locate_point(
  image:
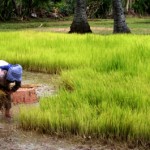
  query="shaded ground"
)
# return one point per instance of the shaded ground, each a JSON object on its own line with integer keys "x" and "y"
{"x": 13, "y": 138}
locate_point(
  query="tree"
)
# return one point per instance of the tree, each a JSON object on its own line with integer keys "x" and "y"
{"x": 5, "y": 9}
{"x": 15, "y": 6}
{"x": 141, "y": 7}
{"x": 80, "y": 23}
{"x": 120, "y": 25}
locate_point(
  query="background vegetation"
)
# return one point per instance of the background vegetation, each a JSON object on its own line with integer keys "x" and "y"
{"x": 25, "y": 9}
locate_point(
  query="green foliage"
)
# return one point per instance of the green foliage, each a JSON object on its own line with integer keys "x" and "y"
{"x": 105, "y": 82}
{"x": 6, "y": 10}
{"x": 142, "y": 6}
{"x": 26, "y": 7}
{"x": 55, "y": 1}
{"x": 66, "y": 7}
{"x": 30, "y": 5}
{"x": 104, "y": 9}
{"x": 100, "y": 8}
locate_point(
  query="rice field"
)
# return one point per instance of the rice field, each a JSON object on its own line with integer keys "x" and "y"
{"x": 104, "y": 88}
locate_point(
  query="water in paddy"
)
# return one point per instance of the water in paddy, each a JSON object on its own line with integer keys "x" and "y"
{"x": 46, "y": 83}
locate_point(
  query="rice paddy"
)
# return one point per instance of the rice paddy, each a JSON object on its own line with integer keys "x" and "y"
{"x": 104, "y": 87}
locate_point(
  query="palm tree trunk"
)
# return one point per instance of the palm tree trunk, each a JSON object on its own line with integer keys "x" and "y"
{"x": 80, "y": 23}
{"x": 30, "y": 7}
{"x": 120, "y": 25}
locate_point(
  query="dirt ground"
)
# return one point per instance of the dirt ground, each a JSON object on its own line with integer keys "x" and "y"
{"x": 66, "y": 30}
{"x": 13, "y": 138}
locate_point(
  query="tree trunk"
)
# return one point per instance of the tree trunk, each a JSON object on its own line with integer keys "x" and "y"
{"x": 120, "y": 25}
{"x": 127, "y": 6}
{"x": 80, "y": 23}
{"x": 5, "y": 14}
{"x": 30, "y": 8}
{"x": 15, "y": 6}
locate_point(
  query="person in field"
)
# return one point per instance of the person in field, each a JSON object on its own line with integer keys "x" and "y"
{"x": 9, "y": 73}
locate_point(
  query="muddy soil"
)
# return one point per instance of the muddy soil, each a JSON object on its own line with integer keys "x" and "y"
{"x": 13, "y": 138}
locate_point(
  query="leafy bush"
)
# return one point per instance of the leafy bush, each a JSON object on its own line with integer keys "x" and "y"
{"x": 142, "y": 6}
{"x": 99, "y": 8}
{"x": 6, "y": 10}
{"x": 66, "y": 7}
{"x": 104, "y": 9}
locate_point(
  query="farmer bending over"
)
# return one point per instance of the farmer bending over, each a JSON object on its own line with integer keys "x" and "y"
{"x": 8, "y": 74}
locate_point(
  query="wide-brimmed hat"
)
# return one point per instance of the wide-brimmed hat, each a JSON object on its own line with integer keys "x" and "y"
{"x": 14, "y": 73}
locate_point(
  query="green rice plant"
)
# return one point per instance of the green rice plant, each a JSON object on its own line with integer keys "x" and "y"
{"x": 105, "y": 82}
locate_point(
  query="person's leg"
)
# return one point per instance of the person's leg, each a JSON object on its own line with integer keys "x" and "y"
{"x": 2, "y": 100}
{"x": 1, "y": 104}
{"x": 8, "y": 106}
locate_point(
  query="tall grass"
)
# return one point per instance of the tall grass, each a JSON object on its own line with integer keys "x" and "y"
{"x": 105, "y": 86}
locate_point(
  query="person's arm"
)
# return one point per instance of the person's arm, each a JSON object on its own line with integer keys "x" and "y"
{"x": 5, "y": 67}
{"x": 16, "y": 86}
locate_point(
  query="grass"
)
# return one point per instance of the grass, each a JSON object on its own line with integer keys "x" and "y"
{"x": 105, "y": 82}
{"x": 99, "y": 26}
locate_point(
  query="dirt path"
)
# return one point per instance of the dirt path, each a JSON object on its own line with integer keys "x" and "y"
{"x": 66, "y": 29}
{"x": 12, "y": 138}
